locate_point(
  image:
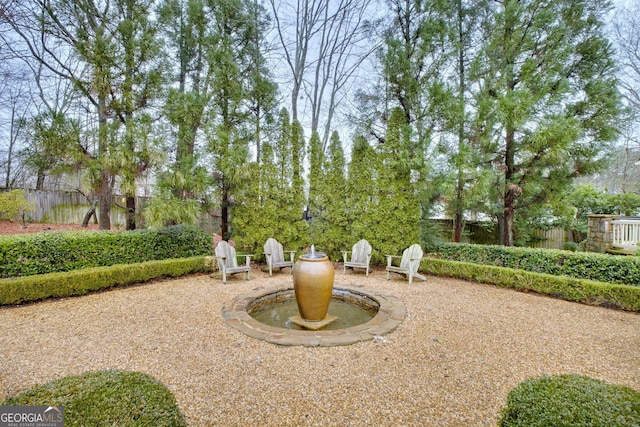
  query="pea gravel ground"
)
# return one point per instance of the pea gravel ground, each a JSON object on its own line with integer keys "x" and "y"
{"x": 462, "y": 347}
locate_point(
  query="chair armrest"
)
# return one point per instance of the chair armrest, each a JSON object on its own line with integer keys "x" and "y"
{"x": 224, "y": 262}
{"x": 247, "y": 258}
{"x": 344, "y": 255}
{"x": 291, "y": 254}
{"x": 390, "y": 257}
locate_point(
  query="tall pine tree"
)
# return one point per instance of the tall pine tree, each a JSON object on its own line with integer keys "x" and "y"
{"x": 546, "y": 101}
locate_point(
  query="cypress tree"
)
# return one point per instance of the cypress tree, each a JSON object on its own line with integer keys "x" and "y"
{"x": 397, "y": 211}
{"x": 360, "y": 195}
{"x": 336, "y": 236}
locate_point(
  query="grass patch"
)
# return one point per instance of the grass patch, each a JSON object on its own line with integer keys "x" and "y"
{"x": 107, "y": 398}
{"x": 571, "y": 401}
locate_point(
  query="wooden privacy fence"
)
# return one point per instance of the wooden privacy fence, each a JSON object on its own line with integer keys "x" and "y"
{"x": 487, "y": 234}
{"x": 553, "y": 238}
{"x": 70, "y": 207}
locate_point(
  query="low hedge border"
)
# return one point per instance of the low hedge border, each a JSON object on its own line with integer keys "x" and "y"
{"x": 79, "y": 282}
{"x": 42, "y": 253}
{"x": 624, "y": 270}
{"x": 589, "y": 292}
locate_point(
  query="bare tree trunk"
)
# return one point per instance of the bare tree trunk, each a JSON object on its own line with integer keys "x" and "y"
{"x": 105, "y": 175}
{"x": 458, "y": 225}
{"x": 91, "y": 212}
{"x": 131, "y": 213}
{"x": 512, "y": 191}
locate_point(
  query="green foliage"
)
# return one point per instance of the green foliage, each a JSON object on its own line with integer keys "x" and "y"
{"x": 335, "y": 237}
{"x": 571, "y": 289}
{"x": 570, "y": 401}
{"x": 271, "y": 203}
{"x": 162, "y": 211}
{"x": 570, "y": 246}
{"x": 56, "y": 252}
{"x": 550, "y": 117}
{"x": 106, "y": 398}
{"x": 395, "y": 212}
{"x": 582, "y": 265}
{"x": 79, "y": 282}
{"x": 361, "y": 186}
{"x": 54, "y": 144}
{"x": 180, "y": 196}
{"x": 13, "y": 205}
{"x": 627, "y": 203}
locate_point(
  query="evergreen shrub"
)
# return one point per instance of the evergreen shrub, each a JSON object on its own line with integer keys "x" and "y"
{"x": 567, "y": 288}
{"x": 106, "y": 398}
{"x": 13, "y": 205}
{"x": 43, "y": 253}
{"x": 581, "y": 265}
{"x": 79, "y": 282}
{"x": 570, "y": 400}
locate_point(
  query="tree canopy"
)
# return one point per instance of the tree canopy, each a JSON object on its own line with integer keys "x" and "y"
{"x": 468, "y": 108}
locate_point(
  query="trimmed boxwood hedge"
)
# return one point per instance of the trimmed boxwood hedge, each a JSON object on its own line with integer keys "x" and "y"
{"x": 43, "y": 253}
{"x": 33, "y": 288}
{"x": 570, "y": 401}
{"x": 581, "y": 265}
{"x": 571, "y": 289}
{"x": 107, "y": 398}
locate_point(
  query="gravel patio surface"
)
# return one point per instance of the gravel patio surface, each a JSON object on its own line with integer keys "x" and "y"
{"x": 462, "y": 347}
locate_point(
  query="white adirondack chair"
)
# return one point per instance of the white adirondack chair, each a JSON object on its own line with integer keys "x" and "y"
{"x": 360, "y": 257}
{"x": 409, "y": 263}
{"x": 227, "y": 261}
{"x": 275, "y": 255}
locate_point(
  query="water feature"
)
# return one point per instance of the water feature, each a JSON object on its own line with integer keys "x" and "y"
{"x": 389, "y": 315}
{"x": 314, "y": 312}
{"x": 348, "y": 309}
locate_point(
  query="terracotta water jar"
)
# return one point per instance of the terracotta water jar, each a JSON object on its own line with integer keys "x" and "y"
{"x": 313, "y": 285}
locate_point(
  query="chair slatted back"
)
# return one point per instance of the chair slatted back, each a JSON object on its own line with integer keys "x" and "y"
{"x": 361, "y": 252}
{"x": 224, "y": 249}
{"x": 412, "y": 252}
{"x": 273, "y": 247}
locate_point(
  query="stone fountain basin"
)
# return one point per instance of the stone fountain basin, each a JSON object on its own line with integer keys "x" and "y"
{"x": 390, "y": 313}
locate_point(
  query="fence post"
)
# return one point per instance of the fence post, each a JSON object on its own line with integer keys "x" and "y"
{"x": 600, "y": 232}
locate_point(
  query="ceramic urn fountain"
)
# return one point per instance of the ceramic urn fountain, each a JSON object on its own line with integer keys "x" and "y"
{"x": 313, "y": 275}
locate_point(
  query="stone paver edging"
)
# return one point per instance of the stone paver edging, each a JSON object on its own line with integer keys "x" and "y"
{"x": 390, "y": 314}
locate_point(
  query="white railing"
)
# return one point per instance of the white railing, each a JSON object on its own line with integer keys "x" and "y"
{"x": 626, "y": 233}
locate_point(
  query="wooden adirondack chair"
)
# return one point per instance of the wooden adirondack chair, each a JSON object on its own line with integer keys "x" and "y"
{"x": 275, "y": 255}
{"x": 409, "y": 263}
{"x": 360, "y": 257}
{"x": 227, "y": 261}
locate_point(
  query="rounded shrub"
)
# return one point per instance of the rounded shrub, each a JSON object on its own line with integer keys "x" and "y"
{"x": 570, "y": 246}
{"x": 570, "y": 400}
{"x": 107, "y": 398}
